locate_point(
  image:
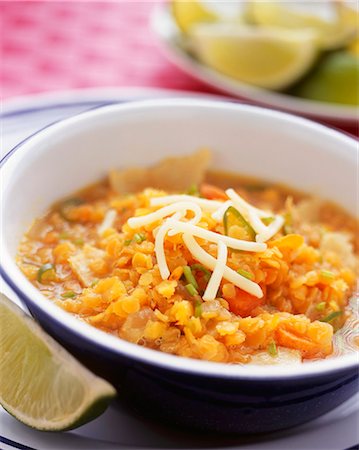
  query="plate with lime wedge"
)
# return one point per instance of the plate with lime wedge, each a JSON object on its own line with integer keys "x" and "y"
{"x": 301, "y": 57}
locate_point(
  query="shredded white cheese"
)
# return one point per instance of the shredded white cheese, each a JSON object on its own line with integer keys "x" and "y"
{"x": 271, "y": 229}
{"x": 244, "y": 206}
{"x": 160, "y": 249}
{"x": 211, "y": 236}
{"x": 174, "y": 208}
{"x": 256, "y": 223}
{"x": 217, "y": 275}
{"x": 254, "y": 216}
{"x": 108, "y": 221}
{"x": 209, "y": 205}
{"x": 209, "y": 261}
{"x": 136, "y": 222}
{"x": 218, "y": 215}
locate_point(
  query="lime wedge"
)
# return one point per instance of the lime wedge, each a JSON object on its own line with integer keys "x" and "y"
{"x": 267, "y": 57}
{"x": 335, "y": 79}
{"x": 42, "y": 385}
{"x": 188, "y": 13}
{"x": 333, "y": 32}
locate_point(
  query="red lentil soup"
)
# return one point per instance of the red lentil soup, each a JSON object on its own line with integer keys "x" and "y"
{"x": 269, "y": 282}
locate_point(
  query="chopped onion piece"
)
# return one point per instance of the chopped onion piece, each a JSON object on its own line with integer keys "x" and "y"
{"x": 217, "y": 275}
{"x": 81, "y": 262}
{"x": 108, "y": 221}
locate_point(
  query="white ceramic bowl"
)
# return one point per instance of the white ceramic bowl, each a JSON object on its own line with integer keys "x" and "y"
{"x": 78, "y": 151}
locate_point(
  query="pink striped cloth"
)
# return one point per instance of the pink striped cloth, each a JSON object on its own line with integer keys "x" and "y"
{"x": 64, "y": 45}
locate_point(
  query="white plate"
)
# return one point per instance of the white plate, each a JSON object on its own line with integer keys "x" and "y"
{"x": 169, "y": 37}
{"x": 118, "y": 428}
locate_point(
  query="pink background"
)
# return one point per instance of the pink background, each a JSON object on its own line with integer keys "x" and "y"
{"x": 49, "y": 46}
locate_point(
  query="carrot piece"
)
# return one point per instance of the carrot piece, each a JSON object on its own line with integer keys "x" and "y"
{"x": 290, "y": 241}
{"x": 212, "y": 192}
{"x": 177, "y": 273}
{"x": 291, "y": 340}
{"x": 309, "y": 348}
{"x": 243, "y": 303}
{"x": 51, "y": 237}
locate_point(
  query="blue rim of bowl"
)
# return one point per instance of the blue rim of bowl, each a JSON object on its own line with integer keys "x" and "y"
{"x": 90, "y": 103}
{"x": 164, "y": 365}
{"x": 14, "y": 444}
{"x": 93, "y": 105}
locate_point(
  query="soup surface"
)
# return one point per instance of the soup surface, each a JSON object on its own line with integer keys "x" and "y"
{"x": 254, "y": 274}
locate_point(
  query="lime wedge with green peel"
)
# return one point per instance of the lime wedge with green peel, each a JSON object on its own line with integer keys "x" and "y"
{"x": 189, "y": 13}
{"x": 335, "y": 79}
{"x": 333, "y": 30}
{"x": 272, "y": 58}
{"x": 41, "y": 384}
